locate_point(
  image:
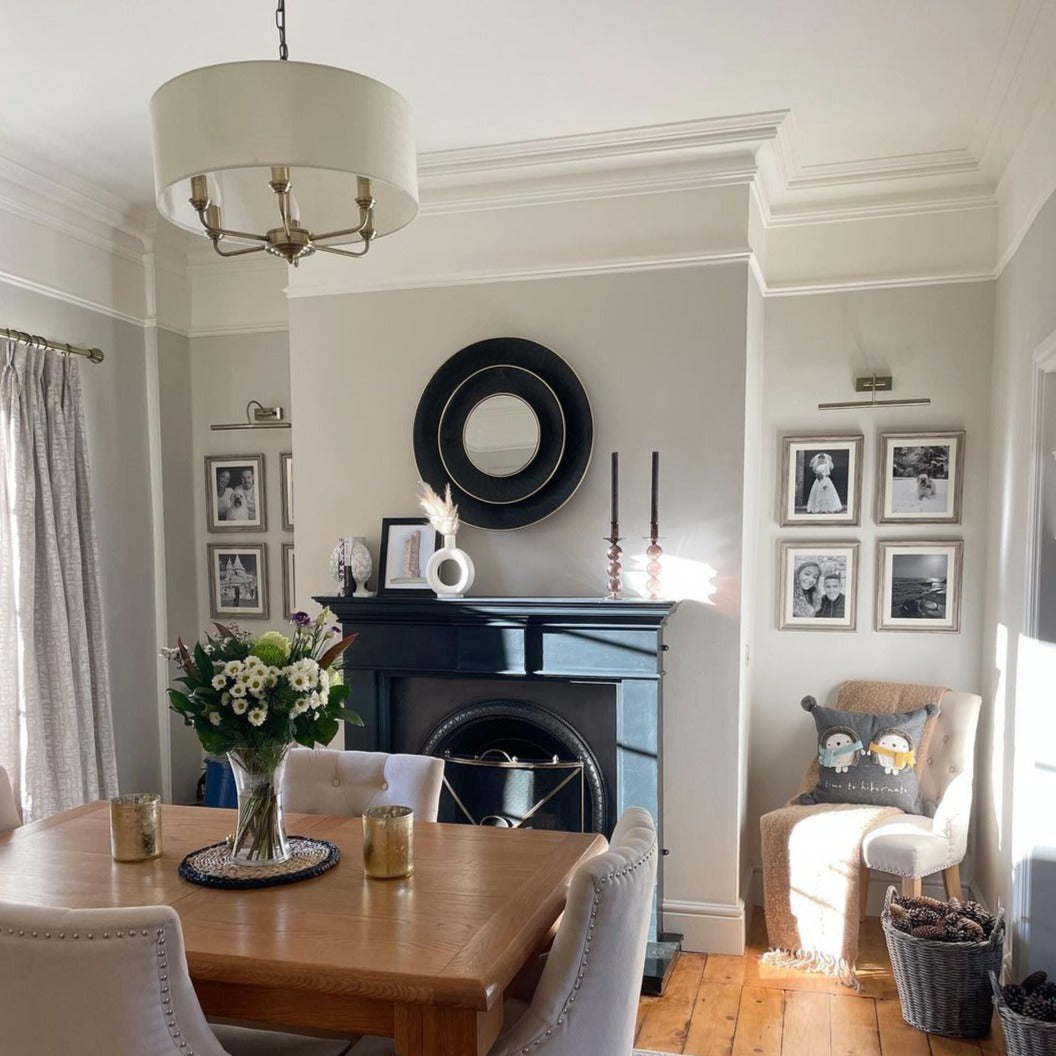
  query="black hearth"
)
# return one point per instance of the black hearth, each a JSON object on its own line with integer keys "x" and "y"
{"x": 573, "y": 683}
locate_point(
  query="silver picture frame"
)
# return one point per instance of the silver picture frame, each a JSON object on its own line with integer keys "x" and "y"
{"x": 235, "y": 502}
{"x": 920, "y": 477}
{"x": 830, "y": 601}
{"x": 918, "y": 585}
{"x": 816, "y": 472}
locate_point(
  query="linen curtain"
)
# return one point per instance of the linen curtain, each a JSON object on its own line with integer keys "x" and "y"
{"x": 56, "y": 729}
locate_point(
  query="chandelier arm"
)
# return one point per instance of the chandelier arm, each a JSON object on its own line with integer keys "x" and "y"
{"x": 221, "y": 232}
{"x": 343, "y": 252}
{"x": 235, "y": 252}
{"x": 364, "y": 223}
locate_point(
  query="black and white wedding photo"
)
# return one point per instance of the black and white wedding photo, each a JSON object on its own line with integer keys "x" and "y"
{"x": 235, "y": 493}
{"x": 821, "y": 479}
{"x": 819, "y": 586}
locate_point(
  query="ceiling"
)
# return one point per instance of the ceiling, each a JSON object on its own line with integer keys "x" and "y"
{"x": 865, "y": 81}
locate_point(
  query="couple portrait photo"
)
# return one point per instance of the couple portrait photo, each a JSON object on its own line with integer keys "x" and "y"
{"x": 818, "y": 586}
{"x": 235, "y": 493}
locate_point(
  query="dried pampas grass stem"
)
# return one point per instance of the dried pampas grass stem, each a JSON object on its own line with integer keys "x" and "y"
{"x": 442, "y": 512}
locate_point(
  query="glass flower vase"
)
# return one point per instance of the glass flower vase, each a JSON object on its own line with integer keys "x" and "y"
{"x": 260, "y": 833}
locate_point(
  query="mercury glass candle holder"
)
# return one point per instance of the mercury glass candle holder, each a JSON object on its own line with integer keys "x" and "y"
{"x": 135, "y": 827}
{"x": 388, "y": 842}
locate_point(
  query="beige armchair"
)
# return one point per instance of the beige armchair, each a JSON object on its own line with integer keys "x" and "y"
{"x": 10, "y": 816}
{"x": 325, "y": 781}
{"x": 586, "y": 1000}
{"x": 113, "y": 981}
{"x": 914, "y": 846}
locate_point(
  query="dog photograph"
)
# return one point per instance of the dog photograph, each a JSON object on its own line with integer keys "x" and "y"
{"x": 235, "y": 493}
{"x": 920, "y": 478}
{"x": 822, "y": 478}
{"x": 818, "y": 586}
{"x": 918, "y": 586}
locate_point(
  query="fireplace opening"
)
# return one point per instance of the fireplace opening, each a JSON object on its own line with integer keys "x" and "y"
{"x": 511, "y": 763}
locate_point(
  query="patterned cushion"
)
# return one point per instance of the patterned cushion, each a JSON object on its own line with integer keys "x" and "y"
{"x": 867, "y": 759}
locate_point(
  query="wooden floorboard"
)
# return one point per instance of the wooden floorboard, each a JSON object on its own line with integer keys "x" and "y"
{"x": 735, "y": 1006}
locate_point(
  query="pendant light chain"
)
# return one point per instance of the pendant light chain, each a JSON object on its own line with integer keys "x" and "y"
{"x": 280, "y": 25}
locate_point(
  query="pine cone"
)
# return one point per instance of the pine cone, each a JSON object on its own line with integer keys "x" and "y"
{"x": 1038, "y": 1008}
{"x": 967, "y": 927}
{"x": 935, "y": 932}
{"x": 1014, "y": 996}
{"x": 1034, "y": 980}
{"x": 902, "y": 924}
{"x": 955, "y": 905}
{"x": 1048, "y": 990}
{"x": 897, "y": 911}
{"x": 922, "y": 915}
{"x": 931, "y": 903}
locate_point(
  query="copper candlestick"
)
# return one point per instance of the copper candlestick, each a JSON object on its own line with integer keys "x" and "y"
{"x": 653, "y": 553}
{"x": 614, "y": 553}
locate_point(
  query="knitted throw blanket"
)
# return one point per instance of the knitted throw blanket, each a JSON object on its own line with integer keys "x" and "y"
{"x": 812, "y": 854}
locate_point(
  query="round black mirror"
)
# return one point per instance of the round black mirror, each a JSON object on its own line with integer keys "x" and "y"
{"x": 508, "y": 424}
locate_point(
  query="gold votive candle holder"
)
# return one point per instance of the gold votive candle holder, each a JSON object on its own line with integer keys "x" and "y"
{"x": 388, "y": 842}
{"x": 135, "y": 827}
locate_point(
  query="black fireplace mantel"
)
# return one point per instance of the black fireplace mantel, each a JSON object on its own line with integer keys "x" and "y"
{"x": 526, "y": 643}
{"x": 527, "y": 637}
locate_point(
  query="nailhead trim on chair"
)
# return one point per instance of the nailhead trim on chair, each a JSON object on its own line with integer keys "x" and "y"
{"x": 163, "y": 974}
{"x": 599, "y": 886}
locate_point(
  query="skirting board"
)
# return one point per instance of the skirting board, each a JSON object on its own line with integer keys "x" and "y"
{"x": 707, "y": 927}
{"x": 878, "y": 885}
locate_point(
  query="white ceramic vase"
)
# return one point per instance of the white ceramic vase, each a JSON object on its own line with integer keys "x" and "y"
{"x": 362, "y": 566}
{"x": 462, "y": 560}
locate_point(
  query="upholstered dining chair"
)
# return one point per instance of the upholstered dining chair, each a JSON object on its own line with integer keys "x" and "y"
{"x": 586, "y": 1000}
{"x": 913, "y": 846}
{"x": 10, "y": 816}
{"x": 113, "y": 981}
{"x": 325, "y": 781}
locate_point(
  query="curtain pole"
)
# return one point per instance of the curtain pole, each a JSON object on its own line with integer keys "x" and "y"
{"x": 20, "y": 336}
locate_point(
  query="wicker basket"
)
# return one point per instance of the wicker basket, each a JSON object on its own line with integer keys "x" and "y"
{"x": 1023, "y": 1036}
{"x": 944, "y": 987}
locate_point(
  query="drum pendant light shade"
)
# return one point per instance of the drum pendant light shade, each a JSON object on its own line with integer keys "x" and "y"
{"x": 234, "y": 122}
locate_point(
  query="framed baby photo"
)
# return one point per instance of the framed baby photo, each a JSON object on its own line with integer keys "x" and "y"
{"x": 407, "y": 543}
{"x": 821, "y": 479}
{"x": 919, "y": 586}
{"x": 286, "y": 479}
{"x": 238, "y": 580}
{"x": 289, "y": 583}
{"x": 919, "y": 478}
{"x": 234, "y": 493}
{"x": 818, "y": 587}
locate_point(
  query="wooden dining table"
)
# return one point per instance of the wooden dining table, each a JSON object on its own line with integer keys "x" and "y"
{"x": 424, "y": 960}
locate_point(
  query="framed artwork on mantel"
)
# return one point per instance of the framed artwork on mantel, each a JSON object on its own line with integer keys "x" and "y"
{"x": 821, "y": 480}
{"x": 407, "y": 543}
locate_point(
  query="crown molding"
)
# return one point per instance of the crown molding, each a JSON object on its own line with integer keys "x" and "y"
{"x": 65, "y": 297}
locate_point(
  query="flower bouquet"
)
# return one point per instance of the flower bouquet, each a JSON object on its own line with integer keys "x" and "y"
{"x": 251, "y": 698}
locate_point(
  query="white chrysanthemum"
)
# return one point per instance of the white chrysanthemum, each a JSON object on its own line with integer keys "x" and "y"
{"x": 324, "y": 683}
{"x": 298, "y": 709}
{"x": 240, "y": 705}
{"x": 219, "y": 682}
{"x": 214, "y": 718}
{"x": 233, "y": 668}
{"x": 298, "y": 681}
{"x": 208, "y": 649}
{"x": 272, "y": 678}
{"x": 225, "y": 698}
{"x": 238, "y": 690}
{"x": 258, "y": 714}
{"x": 257, "y": 685}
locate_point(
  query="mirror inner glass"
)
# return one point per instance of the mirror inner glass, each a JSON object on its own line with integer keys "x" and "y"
{"x": 501, "y": 435}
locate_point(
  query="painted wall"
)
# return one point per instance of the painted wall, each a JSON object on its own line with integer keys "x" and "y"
{"x": 935, "y": 341}
{"x": 1017, "y": 860}
{"x": 180, "y": 483}
{"x": 662, "y": 357}
{"x": 226, "y": 373}
{"x": 116, "y": 416}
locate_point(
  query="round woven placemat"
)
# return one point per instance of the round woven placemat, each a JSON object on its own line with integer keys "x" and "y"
{"x": 212, "y": 866}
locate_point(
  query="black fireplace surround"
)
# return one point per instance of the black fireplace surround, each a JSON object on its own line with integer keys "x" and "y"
{"x": 543, "y": 679}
